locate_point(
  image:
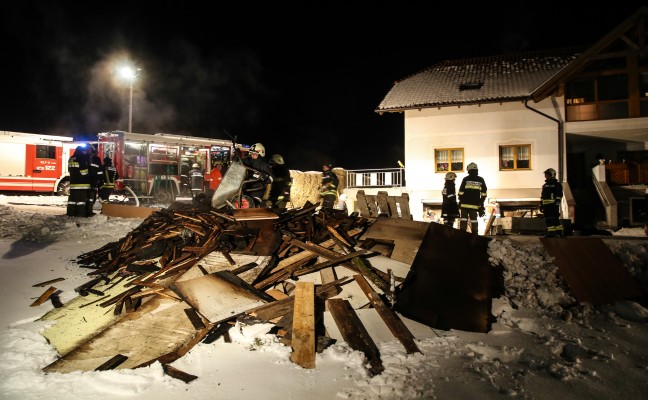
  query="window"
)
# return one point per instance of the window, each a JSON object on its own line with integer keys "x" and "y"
{"x": 515, "y": 157}
{"x": 44, "y": 151}
{"x": 446, "y": 160}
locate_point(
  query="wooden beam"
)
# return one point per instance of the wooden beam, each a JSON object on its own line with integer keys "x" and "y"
{"x": 389, "y": 316}
{"x": 354, "y": 333}
{"x": 303, "y": 329}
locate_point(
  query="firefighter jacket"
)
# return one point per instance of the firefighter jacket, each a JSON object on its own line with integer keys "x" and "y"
{"x": 330, "y": 183}
{"x": 449, "y": 207}
{"x": 110, "y": 175}
{"x": 552, "y": 192}
{"x": 197, "y": 180}
{"x": 96, "y": 171}
{"x": 473, "y": 191}
{"x": 263, "y": 173}
{"x": 79, "y": 169}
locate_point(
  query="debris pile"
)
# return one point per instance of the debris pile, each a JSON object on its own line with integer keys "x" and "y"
{"x": 208, "y": 268}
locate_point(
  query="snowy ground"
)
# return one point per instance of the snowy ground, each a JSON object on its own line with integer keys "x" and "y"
{"x": 538, "y": 349}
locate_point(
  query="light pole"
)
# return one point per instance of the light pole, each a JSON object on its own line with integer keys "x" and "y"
{"x": 130, "y": 73}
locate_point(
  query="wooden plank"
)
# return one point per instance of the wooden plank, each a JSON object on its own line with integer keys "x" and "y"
{"x": 354, "y": 333}
{"x": 195, "y": 319}
{"x": 178, "y": 374}
{"x": 489, "y": 224}
{"x": 303, "y": 328}
{"x": 391, "y": 319}
{"x": 112, "y": 363}
{"x": 381, "y": 199}
{"x": 42, "y": 284}
{"x": 216, "y": 298}
{"x": 371, "y": 203}
{"x": 44, "y": 297}
{"x": 403, "y": 203}
{"x": 407, "y": 236}
{"x": 593, "y": 273}
{"x": 393, "y": 208}
{"x": 158, "y": 331}
{"x": 362, "y": 204}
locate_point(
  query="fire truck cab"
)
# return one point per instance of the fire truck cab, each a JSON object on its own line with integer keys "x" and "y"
{"x": 34, "y": 163}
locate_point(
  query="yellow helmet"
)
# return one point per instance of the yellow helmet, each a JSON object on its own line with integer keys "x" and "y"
{"x": 258, "y": 148}
{"x": 450, "y": 176}
{"x": 471, "y": 166}
{"x": 277, "y": 159}
{"x": 551, "y": 172}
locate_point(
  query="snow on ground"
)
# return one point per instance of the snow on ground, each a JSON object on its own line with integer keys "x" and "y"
{"x": 543, "y": 345}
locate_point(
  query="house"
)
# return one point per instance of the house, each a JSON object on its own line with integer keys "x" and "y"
{"x": 516, "y": 115}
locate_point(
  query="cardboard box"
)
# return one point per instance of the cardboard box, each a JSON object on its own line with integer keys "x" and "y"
{"x": 124, "y": 211}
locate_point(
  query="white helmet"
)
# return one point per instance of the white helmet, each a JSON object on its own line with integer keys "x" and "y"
{"x": 471, "y": 166}
{"x": 450, "y": 176}
{"x": 258, "y": 148}
{"x": 195, "y": 166}
{"x": 277, "y": 159}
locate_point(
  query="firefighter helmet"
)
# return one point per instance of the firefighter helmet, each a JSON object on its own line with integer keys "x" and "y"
{"x": 450, "y": 176}
{"x": 258, "y": 148}
{"x": 195, "y": 165}
{"x": 277, "y": 159}
{"x": 551, "y": 172}
{"x": 471, "y": 166}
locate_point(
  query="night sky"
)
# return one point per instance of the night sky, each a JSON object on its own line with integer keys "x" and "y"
{"x": 303, "y": 80}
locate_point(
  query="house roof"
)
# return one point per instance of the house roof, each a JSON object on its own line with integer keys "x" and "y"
{"x": 510, "y": 77}
{"x": 477, "y": 80}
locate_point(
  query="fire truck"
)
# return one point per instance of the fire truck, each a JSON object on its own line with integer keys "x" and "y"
{"x": 31, "y": 162}
{"x": 155, "y": 167}
{"x": 151, "y": 167}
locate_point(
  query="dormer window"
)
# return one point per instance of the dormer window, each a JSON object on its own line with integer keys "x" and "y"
{"x": 471, "y": 86}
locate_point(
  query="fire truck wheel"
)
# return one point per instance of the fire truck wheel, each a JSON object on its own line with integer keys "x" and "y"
{"x": 63, "y": 188}
{"x": 163, "y": 197}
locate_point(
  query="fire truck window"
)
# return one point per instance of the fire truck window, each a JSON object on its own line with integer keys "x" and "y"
{"x": 43, "y": 151}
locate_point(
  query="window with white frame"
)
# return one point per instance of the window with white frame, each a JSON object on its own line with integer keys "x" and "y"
{"x": 515, "y": 157}
{"x": 446, "y": 160}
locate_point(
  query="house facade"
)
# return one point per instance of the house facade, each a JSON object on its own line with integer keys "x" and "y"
{"x": 516, "y": 115}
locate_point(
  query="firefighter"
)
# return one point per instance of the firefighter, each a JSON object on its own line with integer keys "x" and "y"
{"x": 262, "y": 174}
{"x": 449, "y": 207}
{"x": 96, "y": 179}
{"x": 330, "y": 184}
{"x": 197, "y": 180}
{"x": 110, "y": 176}
{"x": 472, "y": 194}
{"x": 280, "y": 190}
{"x": 551, "y": 197}
{"x": 79, "y": 170}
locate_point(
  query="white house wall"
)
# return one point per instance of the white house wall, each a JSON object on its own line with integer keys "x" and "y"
{"x": 479, "y": 130}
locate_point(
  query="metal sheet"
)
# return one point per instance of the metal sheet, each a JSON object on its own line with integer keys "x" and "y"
{"x": 229, "y": 185}
{"x": 591, "y": 270}
{"x": 451, "y": 282}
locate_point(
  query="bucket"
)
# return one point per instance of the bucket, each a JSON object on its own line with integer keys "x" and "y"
{"x": 119, "y": 184}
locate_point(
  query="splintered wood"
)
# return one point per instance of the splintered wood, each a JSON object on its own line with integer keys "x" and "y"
{"x": 162, "y": 265}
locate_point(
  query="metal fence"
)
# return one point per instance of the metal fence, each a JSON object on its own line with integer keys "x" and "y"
{"x": 386, "y": 177}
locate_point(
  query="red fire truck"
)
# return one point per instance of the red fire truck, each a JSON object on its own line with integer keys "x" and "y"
{"x": 31, "y": 162}
{"x": 155, "y": 167}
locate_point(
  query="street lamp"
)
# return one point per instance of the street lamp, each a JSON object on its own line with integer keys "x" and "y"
{"x": 129, "y": 74}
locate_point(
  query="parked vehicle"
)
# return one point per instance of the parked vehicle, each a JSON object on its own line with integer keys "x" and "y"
{"x": 32, "y": 162}
{"x": 151, "y": 166}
